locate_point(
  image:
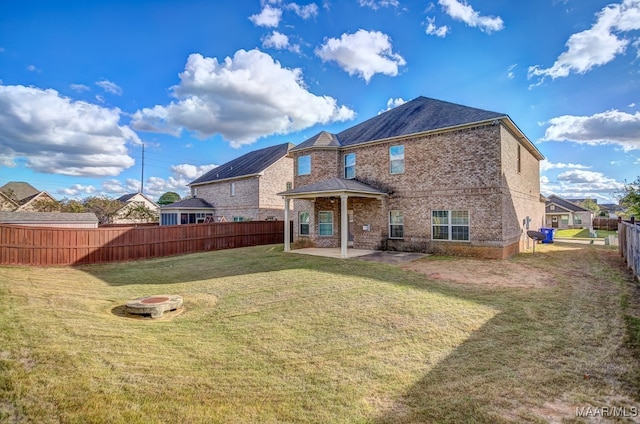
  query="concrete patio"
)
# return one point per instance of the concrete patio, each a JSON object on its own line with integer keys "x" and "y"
{"x": 388, "y": 257}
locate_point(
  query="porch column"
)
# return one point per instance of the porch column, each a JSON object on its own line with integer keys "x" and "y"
{"x": 344, "y": 226}
{"x": 287, "y": 233}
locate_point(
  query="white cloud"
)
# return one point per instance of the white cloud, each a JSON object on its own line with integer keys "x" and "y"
{"x": 546, "y": 165}
{"x": 462, "y": 11}
{"x": 432, "y": 29}
{"x": 60, "y": 136}
{"x": 242, "y": 98}
{"x": 77, "y": 190}
{"x": 191, "y": 171}
{"x": 79, "y": 87}
{"x": 279, "y": 41}
{"x": 364, "y": 53}
{"x": 581, "y": 184}
{"x": 510, "y": 73}
{"x": 597, "y": 45}
{"x": 376, "y": 4}
{"x": 110, "y": 87}
{"x": 393, "y": 103}
{"x": 268, "y": 17}
{"x": 32, "y": 68}
{"x": 306, "y": 11}
{"x": 611, "y": 127}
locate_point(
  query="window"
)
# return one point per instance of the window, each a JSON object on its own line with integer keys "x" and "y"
{"x": 304, "y": 165}
{"x": 450, "y": 225}
{"x": 238, "y": 219}
{"x": 289, "y": 185}
{"x": 564, "y": 220}
{"x": 396, "y": 224}
{"x": 325, "y": 223}
{"x": 396, "y": 159}
{"x": 233, "y": 189}
{"x": 350, "y": 165}
{"x": 577, "y": 220}
{"x": 304, "y": 219}
{"x": 519, "y": 165}
{"x": 169, "y": 219}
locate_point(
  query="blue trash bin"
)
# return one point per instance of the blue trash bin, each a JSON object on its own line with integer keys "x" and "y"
{"x": 548, "y": 234}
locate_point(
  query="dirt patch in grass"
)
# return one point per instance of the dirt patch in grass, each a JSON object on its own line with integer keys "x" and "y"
{"x": 482, "y": 272}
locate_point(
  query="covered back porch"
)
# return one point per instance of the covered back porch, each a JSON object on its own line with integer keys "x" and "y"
{"x": 327, "y": 193}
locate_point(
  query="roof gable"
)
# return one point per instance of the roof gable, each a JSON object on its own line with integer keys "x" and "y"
{"x": 251, "y": 163}
{"x": 20, "y": 191}
{"x": 417, "y": 116}
{"x": 126, "y": 198}
{"x": 565, "y": 204}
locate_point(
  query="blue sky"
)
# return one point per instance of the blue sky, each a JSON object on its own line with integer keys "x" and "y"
{"x": 84, "y": 84}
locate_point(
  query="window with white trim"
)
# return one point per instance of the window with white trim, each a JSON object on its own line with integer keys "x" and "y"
{"x": 325, "y": 223}
{"x": 396, "y": 159}
{"x": 450, "y": 225}
{"x": 233, "y": 189}
{"x": 304, "y": 219}
{"x": 350, "y": 166}
{"x": 396, "y": 224}
{"x": 304, "y": 165}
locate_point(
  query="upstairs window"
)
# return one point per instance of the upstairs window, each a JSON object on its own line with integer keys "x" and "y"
{"x": 350, "y": 166}
{"x": 396, "y": 159}
{"x": 519, "y": 164}
{"x": 304, "y": 165}
{"x": 233, "y": 189}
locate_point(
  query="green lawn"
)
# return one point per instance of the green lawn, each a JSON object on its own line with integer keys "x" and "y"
{"x": 270, "y": 337}
{"x": 582, "y": 233}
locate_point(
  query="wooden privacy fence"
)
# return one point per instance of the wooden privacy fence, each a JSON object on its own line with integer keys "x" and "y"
{"x": 22, "y": 245}
{"x": 629, "y": 242}
{"x": 609, "y": 224}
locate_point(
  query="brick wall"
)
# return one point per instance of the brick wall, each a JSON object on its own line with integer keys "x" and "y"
{"x": 471, "y": 169}
{"x": 275, "y": 181}
{"x": 255, "y": 197}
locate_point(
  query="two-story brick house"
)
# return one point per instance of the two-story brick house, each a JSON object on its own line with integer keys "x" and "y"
{"x": 427, "y": 176}
{"x": 246, "y": 188}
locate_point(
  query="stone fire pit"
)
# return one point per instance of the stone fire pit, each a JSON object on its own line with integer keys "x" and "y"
{"x": 154, "y": 305}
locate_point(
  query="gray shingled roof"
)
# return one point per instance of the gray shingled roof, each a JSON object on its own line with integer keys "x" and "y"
{"x": 26, "y": 217}
{"x": 334, "y": 185}
{"x": 251, "y": 163}
{"x": 22, "y": 192}
{"x": 125, "y": 197}
{"x": 190, "y": 203}
{"x": 419, "y": 115}
{"x": 570, "y": 206}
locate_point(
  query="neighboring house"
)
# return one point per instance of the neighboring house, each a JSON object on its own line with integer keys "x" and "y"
{"x": 561, "y": 214}
{"x": 50, "y": 219}
{"x": 427, "y": 176}
{"x": 247, "y": 187}
{"x": 611, "y": 210}
{"x": 192, "y": 210}
{"x": 21, "y": 196}
{"x": 137, "y": 209}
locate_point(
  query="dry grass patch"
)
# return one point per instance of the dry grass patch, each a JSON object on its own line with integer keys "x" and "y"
{"x": 271, "y": 337}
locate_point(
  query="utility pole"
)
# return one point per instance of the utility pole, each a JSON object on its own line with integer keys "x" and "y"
{"x": 142, "y": 172}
